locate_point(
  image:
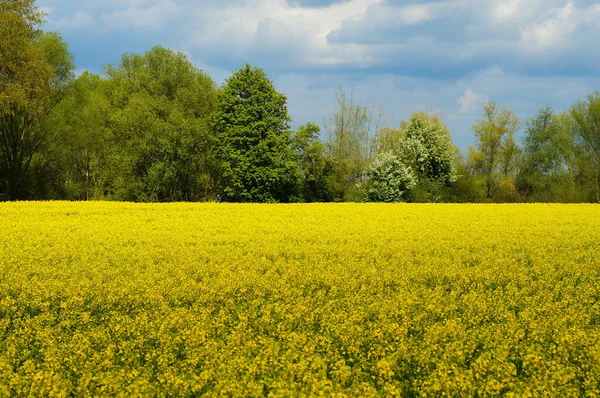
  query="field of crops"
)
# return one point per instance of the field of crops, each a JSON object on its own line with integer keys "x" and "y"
{"x": 279, "y": 300}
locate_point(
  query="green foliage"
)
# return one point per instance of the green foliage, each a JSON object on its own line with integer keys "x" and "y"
{"x": 547, "y": 169}
{"x": 58, "y": 56}
{"x": 314, "y": 171}
{"x": 34, "y": 68}
{"x": 160, "y": 144}
{"x": 389, "y": 178}
{"x": 467, "y": 188}
{"x": 587, "y": 133}
{"x": 24, "y": 70}
{"x": 252, "y": 135}
{"x": 80, "y": 125}
{"x": 495, "y": 156}
{"x": 388, "y": 138}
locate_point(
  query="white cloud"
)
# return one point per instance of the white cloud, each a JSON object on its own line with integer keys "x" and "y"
{"x": 415, "y": 14}
{"x": 352, "y": 33}
{"x": 505, "y": 9}
{"x": 471, "y": 101}
{"x": 553, "y": 31}
{"x": 298, "y": 34}
{"x": 150, "y": 17}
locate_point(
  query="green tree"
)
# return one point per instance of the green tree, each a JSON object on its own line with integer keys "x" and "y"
{"x": 546, "y": 168}
{"x": 254, "y": 136}
{"x": 160, "y": 143}
{"x": 34, "y": 67}
{"x": 389, "y": 138}
{"x": 313, "y": 167}
{"x": 81, "y": 137}
{"x": 466, "y": 188}
{"x": 495, "y": 157}
{"x": 587, "y": 133}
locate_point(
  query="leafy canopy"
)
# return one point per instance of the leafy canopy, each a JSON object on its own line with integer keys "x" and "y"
{"x": 253, "y": 135}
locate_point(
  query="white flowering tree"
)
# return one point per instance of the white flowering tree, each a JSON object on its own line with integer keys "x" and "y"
{"x": 427, "y": 148}
{"x": 418, "y": 166}
{"x": 389, "y": 178}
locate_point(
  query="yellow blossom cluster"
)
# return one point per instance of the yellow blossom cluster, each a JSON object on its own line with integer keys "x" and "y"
{"x": 116, "y": 299}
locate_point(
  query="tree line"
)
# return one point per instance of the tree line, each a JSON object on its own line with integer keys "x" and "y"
{"x": 154, "y": 128}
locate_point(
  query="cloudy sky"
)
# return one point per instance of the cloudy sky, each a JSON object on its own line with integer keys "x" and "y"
{"x": 446, "y": 55}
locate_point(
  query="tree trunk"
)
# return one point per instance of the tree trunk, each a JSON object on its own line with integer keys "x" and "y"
{"x": 597, "y": 186}
{"x": 18, "y": 143}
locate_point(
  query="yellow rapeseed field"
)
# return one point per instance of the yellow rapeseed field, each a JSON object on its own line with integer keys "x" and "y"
{"x": 286, "y": 300}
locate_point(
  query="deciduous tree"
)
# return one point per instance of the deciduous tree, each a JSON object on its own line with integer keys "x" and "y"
{"x": 161, "y": 144}
{"x": 495, "y": 155}
{"x": 313, "y": 167}
{"x": 546, "y": 169}
{"x": 34, "y": 67}
{"x": 587, "y": 133}
{"x": 389, "y": 178}
{"x": 348, "y": 143}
